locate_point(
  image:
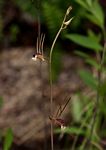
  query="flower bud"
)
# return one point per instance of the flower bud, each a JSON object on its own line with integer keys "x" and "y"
{"x": 66, "y": 23}
{"x": 68, "y": 10}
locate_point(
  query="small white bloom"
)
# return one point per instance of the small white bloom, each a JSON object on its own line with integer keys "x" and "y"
{"x": 34, "y": 58}
{"x": 63, "y": 128}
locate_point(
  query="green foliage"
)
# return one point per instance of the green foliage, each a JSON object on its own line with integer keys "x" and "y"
{"x": 85, "y": 41}
{"x": 76, "y": 108}
{"x": 8, "y": 137}
{"x": 53, "y": 12}
{"x": 53, "y": 17}
{"x": 92, "y": 62}
{"x": 81, "y": 110}
{"x": 84, "y": 113}
{"x": 96, "y": 37}
{"x": 8, "y": 140}
{"x": 56, "y": 63}
{"x": 27, "y": 6}
{"x": 81, "y": 54}
{"x": 83, "y": 105}
{"x": 88, "y": 79}
{"x": 94, "y": 11}
{"x": 88, "y": 59}
{"x": 102, "y": 88}
{"x": 50, "y": 12}
{"x": 72, "y": 130}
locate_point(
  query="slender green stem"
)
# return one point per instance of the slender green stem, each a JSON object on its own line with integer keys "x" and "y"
{"x": 50, "y": 75}
{"x": 82, "y": 125}
{"x": 104, "y": 49}
{"x": 51, "y": 85}
{"x": 99, "y": 84}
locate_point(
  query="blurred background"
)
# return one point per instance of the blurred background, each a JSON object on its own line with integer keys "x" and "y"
{"x": 24, "y": 84}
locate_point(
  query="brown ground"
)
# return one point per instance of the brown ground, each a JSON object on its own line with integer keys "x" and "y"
{"x": 25, "y": 108}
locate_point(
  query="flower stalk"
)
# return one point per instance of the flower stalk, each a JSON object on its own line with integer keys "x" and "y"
{"x": 64, "y": 25}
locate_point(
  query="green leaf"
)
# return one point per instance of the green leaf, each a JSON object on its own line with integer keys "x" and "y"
{"x": 93, "y": 63}
{"x": 72, "y": 130}
{"x": 82, "y": 3}
{"x": 85, "y": 41}
{"x": 98, "y": 12}
{"x": 88, "y": 79}
{"x": 89, "y": 2}
{"x": 88, "y": 59}
{"x": 94, "y": 36}
{"x": 95, "y": 12}
{"x": 75, "y": 130}
{"x": 93, "y": 19}
{"x": 8, "y": 139}
{"x": 103, "y": 103}
{"x": 82, "y": 54}
{"x": 102, "y": 89}
{"x": 76, "y": 108}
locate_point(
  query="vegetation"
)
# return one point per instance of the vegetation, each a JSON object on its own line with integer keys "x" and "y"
{"x": 87, "y": 109}
{"x": 90, "y": 120}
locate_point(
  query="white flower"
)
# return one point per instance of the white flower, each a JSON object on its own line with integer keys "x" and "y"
{"x": 34, "y": 58}
{"x": 63, "y": 127}
{"x": 39, "y": 49}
